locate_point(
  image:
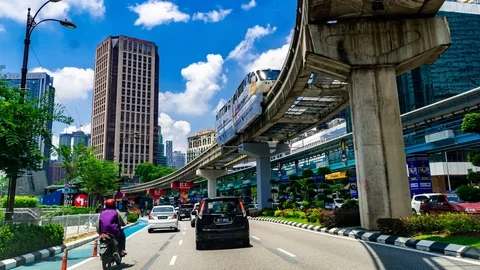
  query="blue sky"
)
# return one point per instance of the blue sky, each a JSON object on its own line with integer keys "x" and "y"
{"x": 206, "y": 47}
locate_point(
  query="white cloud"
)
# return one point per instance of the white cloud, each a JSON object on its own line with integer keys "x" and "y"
{"x": 273, "y": 58}
{"x": 16, "y": 9}
{"x": 220, "y": 104}
{"x": 155, "y": 12}
{"x": 87, "y": 128}
{"x": 242, "y": 51}
{"x": 70, "y": 83}
{"x": 250, "y": 5}
{"x": 2, "y": 28}
{"x": 203, "y": 81}
{"x": 175, "y": 131}
{"x": 212, "y": 16}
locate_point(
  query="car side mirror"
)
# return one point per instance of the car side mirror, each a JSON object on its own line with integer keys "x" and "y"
{"x": 194, "y": 212}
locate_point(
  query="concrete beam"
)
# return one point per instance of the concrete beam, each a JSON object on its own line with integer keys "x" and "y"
{"x": 326, "y": 91}
{"x": 212, "y": 176}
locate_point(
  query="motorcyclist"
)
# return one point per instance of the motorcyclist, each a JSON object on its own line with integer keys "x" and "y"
{"x": 111, "y": 222}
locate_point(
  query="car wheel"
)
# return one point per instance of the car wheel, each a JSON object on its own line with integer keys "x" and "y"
{"x": 246, "y": 242}
{"x": 192, "y": 224}
{"x": 200, "y": 245}
{"x": 179, "y": 219}
{"x": 414, "y": 212}
{"x": 150, "y": 230}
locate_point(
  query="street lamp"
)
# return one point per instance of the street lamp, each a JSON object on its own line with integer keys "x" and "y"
{"x": 31, "y": 24}
{"x": 120, "y": 159}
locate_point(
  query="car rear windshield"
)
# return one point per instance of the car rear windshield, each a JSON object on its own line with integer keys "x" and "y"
{"x": 222, "y": 206}
{"x": 162, "y": 209}
{"x": 186, "y": 206}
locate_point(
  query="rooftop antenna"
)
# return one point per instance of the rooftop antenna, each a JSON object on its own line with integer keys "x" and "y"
{"x": 78, "y": 116}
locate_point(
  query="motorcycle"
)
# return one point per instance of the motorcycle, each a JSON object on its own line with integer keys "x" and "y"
{"x": 109, "y": 252}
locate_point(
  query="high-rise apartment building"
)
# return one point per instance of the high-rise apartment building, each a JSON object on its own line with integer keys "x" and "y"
{"x": 169, "y": 153}
{"x": 125, "y": 101}
{"x": 72, "y": 139}
{"x": 161, "y": 158}
{"x": 178, "y": 159}
{"x": 198, "y": 143}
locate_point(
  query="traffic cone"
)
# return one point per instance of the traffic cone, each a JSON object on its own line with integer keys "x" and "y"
{"x": 64, "y": 260}
{"x": 95, "y": 248}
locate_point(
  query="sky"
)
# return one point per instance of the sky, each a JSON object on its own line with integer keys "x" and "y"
{"x": 206, "y": 48}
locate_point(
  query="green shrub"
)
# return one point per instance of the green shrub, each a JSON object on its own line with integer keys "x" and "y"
{"x": 450, "y": 223}
{"x": 306, "y": 204}
{"x": 350, "y": 204}
{"x": 131, "y": 217}
{"x": 313, "y": 216}
{"x": 21, "y": 202}
{"x": 319, "y": 204}
{"x": 268, "y": 212}
{"x": 18, "y": 239}
{"x": 288, "y": 204}
{"x": 468, "y": 193}
{"x": 278, "y": 213}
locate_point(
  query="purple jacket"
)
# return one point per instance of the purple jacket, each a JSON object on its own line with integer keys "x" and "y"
{"x": 109, "y": 222}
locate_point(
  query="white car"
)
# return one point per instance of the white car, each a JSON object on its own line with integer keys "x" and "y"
{"x": 334, "y": 204}
{"x": 417, "y": 200}
{"x": 163, "y": 217}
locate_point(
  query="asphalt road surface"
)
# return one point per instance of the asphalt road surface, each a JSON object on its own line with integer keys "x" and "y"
{"x": 273, "y": 246}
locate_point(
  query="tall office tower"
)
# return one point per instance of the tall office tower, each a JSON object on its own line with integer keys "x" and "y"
{"x": 169, "y": 153}
{"x": 125, "y": 101}
{"x": 178, "y": 159}
{"x": 161, "y": 158}
{"x": 38, "y": 83}
{"x": 457, "y": 70}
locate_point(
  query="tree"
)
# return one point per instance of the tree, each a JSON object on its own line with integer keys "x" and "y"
{"x": 471, "y": 123}
{"x": 22, "y": 121}
{"x": 147, "y": 171}
{"x": 96, "y": 175}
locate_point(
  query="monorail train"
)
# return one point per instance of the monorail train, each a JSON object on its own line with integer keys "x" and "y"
{"x": 322, "y": 136}
{"x": 245, "y": 106}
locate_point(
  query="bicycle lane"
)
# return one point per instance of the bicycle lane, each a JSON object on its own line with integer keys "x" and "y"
{"x": 77, "y": 255}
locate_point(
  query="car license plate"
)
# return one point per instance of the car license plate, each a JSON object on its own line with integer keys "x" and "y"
{"x": 223, "y": 220}
{"x": 182, "y": 215}
{"x": 162, "y": 217}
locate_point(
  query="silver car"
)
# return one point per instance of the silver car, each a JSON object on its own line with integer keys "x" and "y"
{"x": 163, "y": 217}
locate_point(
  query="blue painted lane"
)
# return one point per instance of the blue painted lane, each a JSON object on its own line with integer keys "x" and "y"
{"x": 76, "y": 255}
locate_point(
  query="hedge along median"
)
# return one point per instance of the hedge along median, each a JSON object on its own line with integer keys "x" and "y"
{"x": 18, "y": 239}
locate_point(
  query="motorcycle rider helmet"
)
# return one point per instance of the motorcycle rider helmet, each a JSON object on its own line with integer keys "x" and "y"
{"x": 110, "y": 203}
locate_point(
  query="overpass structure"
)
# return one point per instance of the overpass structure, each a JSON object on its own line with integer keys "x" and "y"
{"x": 340, "y": 51}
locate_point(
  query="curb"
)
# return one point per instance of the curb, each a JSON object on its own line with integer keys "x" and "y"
{"x": 447, "y": 249}
{"x": 48, "y": 252}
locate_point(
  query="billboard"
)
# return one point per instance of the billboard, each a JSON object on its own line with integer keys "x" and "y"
{"x": 419, "y": 176}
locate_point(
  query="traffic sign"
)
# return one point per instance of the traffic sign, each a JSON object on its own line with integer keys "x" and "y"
{"x": 80, "y": 200}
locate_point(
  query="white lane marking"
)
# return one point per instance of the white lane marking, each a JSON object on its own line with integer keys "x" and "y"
{"x": 180, "y": 242}
{"x": 385, "y": 245}
{"x": 93, "y": 258}
{"x": 256, "y": 238}
{"x": 286, "y": 252}
{"x": 183, "y": 232}
{"x": 172, "y": 261}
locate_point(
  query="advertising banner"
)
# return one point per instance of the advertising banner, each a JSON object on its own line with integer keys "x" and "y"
{"x": 353, "y": 187}
{"x": 183, "y": 188}
{"x": 419, "y": 176}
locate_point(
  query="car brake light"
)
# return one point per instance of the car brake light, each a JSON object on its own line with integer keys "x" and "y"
{"x": 202, "y": 206}
{"x": 150, "y": 217}
{"x": 174, "y": 216}
{"x": 243, "y": 209}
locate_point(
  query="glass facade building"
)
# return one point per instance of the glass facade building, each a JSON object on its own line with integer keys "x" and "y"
{"x": 38, "y": 83}
{"x": 455, "y": 71}
{"x": 161, "y": 158}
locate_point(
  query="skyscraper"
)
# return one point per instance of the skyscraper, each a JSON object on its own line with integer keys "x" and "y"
{"x": 161, "y": 159}
{"x": 198, "y": 143}
{"x": 38, "y": 83}
{"x": 178, "y": 159}
{"x": 169, "y": 153}
{"x": 457, "y": 70}
{"x": 125, "y": 101}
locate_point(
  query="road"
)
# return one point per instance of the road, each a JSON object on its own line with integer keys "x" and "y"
{"x": 273, "y": 246}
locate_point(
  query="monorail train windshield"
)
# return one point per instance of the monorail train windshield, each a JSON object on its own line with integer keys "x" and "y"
{"x": 268, "y": 74}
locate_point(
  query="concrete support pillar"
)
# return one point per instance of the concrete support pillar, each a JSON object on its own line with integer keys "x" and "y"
{"x": 369, "y": 54}
{"x": 211, "y": 176}
{"x": 379, "y": 148}
{"x": 262, "y": 153}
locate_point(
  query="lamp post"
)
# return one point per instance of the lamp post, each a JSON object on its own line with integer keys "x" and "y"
{"x": 31, "y": 24}
{"x": 120, "y": 155}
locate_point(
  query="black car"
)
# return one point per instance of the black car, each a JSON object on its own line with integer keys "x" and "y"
{"x": 184, "y": 211}
{"x": 220, "y": 219}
